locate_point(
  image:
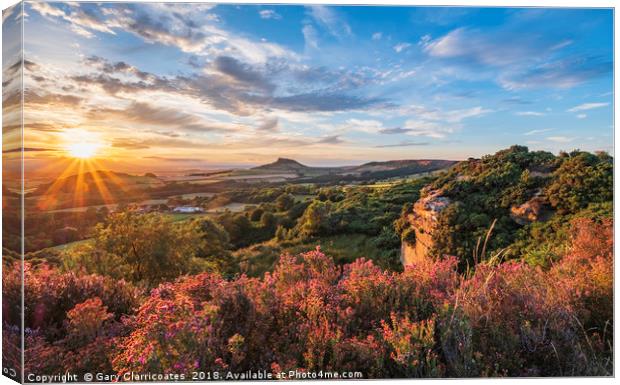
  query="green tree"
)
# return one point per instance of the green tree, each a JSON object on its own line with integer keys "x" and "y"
{"x": 213, "y": 249}
{"x": 153, "y": 248}
{"x": 268, "y": 220}
{"x": 315, "y": 219}
{"x": 281, "y": 233}
{"x": 582, "y": 179}
{"x": 214, "y": 238}
{"x": 285, "y": 202}
{"x": 239, "y": 228}
{"x": 256, "y": 214}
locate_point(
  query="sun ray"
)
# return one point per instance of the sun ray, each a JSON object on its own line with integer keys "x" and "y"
{"x": 53, "y": 167}
{"x": 103, "y": 190}
{"x": 78, "y": 192}
{"x": 50, "y": 199}
{"x": 111, "y": 176}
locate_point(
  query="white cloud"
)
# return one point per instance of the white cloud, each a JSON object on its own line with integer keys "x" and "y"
{"x": 427, "y": 128}
{"x": 197, "y": 32}
{"x": 557, "y": 73}
{"x": 450, "y": 45}
{"x": 370, "y": 126}
{"x": 436, "y": 123}
{"x": 47, "y": 10}
{"x": 561, "y": 44}
{"x": 269, "y": 14}
{"x": 310, "y": 36}
{"x": 377, "y": 36}
{"x": 587, "y": 106}
{"x": 581, "y": 116}
{"x": 79, "y": 21}
{"x": 453, "y": 116}
{"x": 424, "y": 40}
{"x": 401, "y": 47}
{"x": 421, "y": 121}
{"x": 496, "y": 54}
{"x": 328, "y": 18}
{"x": 540, "y": 131}
{"x": 458, "y": 115}
{"x": 529, "y": 113}
{"x": 475, "y": 48}
{"x": 560, "y": 139}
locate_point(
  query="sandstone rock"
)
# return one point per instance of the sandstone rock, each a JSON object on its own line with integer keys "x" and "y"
{"x": 534, "y": 210}
{"x": 423, "y": 220}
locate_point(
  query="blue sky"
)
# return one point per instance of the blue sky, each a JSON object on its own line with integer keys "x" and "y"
{"x": 208, "y": 86}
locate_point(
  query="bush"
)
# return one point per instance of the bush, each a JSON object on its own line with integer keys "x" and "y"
{"x": 151, "y": 247}
{"x": 503, "y": 319}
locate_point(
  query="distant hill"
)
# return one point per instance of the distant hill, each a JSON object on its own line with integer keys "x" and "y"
{"x": 283, "y": 165}
{"x": 421, "y": 165}
{"x": 369, "y": 170}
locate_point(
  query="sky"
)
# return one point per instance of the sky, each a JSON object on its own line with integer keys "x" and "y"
{"x": 178, "y": 86}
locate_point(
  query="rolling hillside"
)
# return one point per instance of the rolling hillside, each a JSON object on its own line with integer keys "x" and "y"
{"x": 367, "y": 170}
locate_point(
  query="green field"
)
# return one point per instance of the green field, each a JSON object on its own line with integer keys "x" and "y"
{"x": 70, "y": 245}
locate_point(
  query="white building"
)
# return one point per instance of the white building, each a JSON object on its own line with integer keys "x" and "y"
{"x": 187, "y": 209}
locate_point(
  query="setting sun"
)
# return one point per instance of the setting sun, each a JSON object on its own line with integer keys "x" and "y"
{"x": 82, "y": 150}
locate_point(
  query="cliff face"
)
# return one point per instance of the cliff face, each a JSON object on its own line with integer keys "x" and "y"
{"x": 423, "y": 219}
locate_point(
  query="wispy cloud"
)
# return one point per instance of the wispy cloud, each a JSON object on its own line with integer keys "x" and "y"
{"x": 562, "y": 44}
{"x": 394, "y": 131}
{"x": 190, "y": 27}
{"x": 562, "y": 73}
{"x": 587, "y": 106}
{"x": 27, "y": 149}
{"x": 529, "y": 113}
{"x": 403, "y": 144}
{"x": 560, "y": 139}
{"x": 270, "y": 124}
{"x": 510, "y": 65}
{"x": 401, "y": 47}
{"x": 83, "y": 21}
{"x": 330, "y": 20}
{"x": 475, "y": 47}
{"x": 516, "y": 101}
{"x": 310, "y": 36}
{"x": 431, "y": 129}
{"x": 269, "y": 14}
{"x": 149, "y": 115}
{"x": 539, "y": 131}
{"x": 332, "y": 139}
{"x": 438, "y": 123}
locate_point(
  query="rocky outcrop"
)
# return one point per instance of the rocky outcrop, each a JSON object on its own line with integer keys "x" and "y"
{"x": 535, "y": 210}
{"x": 423, "y": 219}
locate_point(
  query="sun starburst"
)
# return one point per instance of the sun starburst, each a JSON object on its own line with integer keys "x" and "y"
{"x": 84, "y": 150}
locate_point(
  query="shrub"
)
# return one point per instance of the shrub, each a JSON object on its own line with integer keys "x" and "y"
{"x": 149, "y": 245}
{"x": 411, "y": 348}
{"x": 501, "y": 319}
